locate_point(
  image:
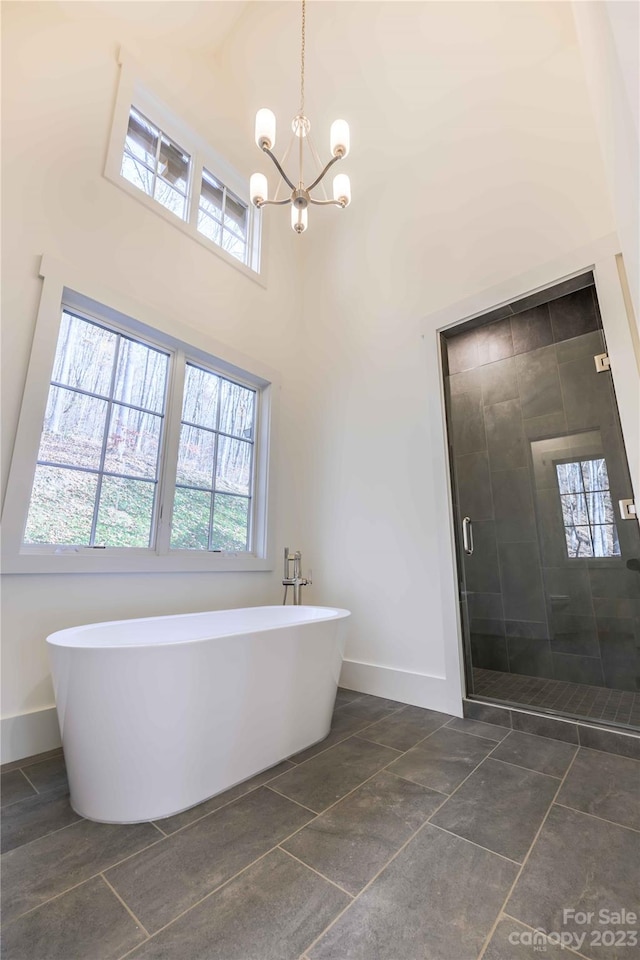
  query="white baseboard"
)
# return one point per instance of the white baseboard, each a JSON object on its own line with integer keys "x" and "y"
{"x": 418, "y": 689}
{"x": 29, "y": 734}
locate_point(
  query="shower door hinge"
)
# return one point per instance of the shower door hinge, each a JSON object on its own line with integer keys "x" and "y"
{"x": 602, "y": 362}
{"x": 628, "y": 510}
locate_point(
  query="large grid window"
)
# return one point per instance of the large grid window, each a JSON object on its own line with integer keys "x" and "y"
{"x": 156, "y": 165}
{"x": 119, "y": 450}
{"x": 212, "y": 506}
{"x": 98, "y": 464}
{"x": 587, "y": 510}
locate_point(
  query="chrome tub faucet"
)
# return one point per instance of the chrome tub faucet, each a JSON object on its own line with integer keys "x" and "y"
{"x": 293, "y": 578}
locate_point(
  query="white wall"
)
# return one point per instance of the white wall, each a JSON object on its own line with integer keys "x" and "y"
{"x": 608, "y": 34}
{"x": 60, "y": 78}
{"x": 512, "y": 181}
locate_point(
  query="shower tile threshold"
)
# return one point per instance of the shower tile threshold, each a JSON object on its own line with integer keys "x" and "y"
{"x": 578, "y": 700}
{"x": 406, "y": 835}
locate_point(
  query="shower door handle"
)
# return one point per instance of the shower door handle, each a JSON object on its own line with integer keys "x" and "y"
{"x": 467, "y": 536}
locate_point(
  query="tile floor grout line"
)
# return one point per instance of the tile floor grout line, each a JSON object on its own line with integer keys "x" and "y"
{"x": 480, "y": 736}
{"x": 126, "y": 906}
{"x": 354, "y": 733}
{"x": 291, "y": 800}
{"x": 311, "y": 945}
{"x": 511, "y": 763}
{"x": 159, "y": 829}
{"x": 29, "y": 782}
{"x": 462, "y": 782}
{"x": 334, "y": 883}
{"x": 44, "y": 836}
{"x": 507, "y": 916}
{"x": 415, "y": 782}
{"x": 502, "y": 856}
{"x": 320, "y": 752}
{"x": 445, "y": 797}
{"x": 525, "y": 861}
{"x": 23, "y": 762}
{"x": 211, "y": 812}
{"x": 217, "y": 889}
{"x": 353, "y": 790}
{"x": 80, "y": 882}
{"x": 609, "y": 753}
{"x": 413, "y": 745}
{"x": 594, "y": 816}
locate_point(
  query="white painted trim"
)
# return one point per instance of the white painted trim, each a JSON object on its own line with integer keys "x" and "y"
{"x": 539, "y": 278}
{"x": 599, "y": 256}
{"x": 418, "y": 689}
{"x": 28, "y": 734}
{"x": 624, "y": 367}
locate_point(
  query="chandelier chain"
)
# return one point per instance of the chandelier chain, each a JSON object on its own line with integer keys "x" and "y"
{"x": 302, "y": 46}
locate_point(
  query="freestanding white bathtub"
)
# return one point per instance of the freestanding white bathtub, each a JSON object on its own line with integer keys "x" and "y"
{"x": 160, "y": 713}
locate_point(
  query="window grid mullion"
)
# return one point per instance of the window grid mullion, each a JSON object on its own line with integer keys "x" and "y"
{"x": 105, "y": 440}
{"x": 231, "y": 436}
{"x": 101, "y": 396}
{"x": 215, "y": 462}
{"x": 171, "y": 447}
{"x": 157, "y": 164}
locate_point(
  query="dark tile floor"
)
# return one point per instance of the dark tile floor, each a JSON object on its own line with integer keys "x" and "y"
{"x": 405, "y": 835}
{"x": 580, "y": 700}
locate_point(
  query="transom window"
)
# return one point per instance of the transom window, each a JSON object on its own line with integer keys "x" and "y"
{"x": 154, "y": 156}
{"x": 587, "y": 510}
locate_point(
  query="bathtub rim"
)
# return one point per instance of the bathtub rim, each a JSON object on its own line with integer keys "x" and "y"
{"x": 56, "y": 639}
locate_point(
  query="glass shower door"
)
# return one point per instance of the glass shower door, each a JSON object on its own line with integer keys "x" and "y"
{"x": 550, "y": 593}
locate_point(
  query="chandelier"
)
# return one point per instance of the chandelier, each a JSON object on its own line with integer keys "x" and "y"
{"x": 300, "y": 196}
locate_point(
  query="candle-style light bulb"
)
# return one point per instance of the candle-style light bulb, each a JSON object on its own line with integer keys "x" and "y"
{"x": 265, "y": 129}
{"x": 339, "y": 138}
{"x": 299, "y": 219}
{"x": 258, "y": 188}
{"x": 342, "y": 189}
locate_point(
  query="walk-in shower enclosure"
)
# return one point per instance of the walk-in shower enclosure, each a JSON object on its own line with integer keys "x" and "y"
{"x": 548, "y": 546}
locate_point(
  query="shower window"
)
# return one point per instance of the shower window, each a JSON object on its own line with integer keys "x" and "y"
{"x": 587, "y": 510}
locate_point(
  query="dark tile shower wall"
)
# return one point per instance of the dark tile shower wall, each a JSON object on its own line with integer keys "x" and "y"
{"x": 516, "y": 386}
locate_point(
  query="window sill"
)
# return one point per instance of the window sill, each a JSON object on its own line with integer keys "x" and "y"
{"x": 188, "y": 229}
{"x": 87, "y": 560}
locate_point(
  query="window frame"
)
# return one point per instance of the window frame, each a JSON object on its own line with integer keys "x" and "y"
{"x": 61, "y": 288}
{"x": 133, "y": 92}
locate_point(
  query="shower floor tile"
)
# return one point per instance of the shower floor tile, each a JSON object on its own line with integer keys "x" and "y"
{"x": 387, "y": 869}
{"x": 580, "y": 700}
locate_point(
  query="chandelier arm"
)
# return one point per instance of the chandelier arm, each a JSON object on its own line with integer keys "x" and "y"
{"x": 280, "y": 170}
{"x": 324, "y": 172}
{"x": 326, "y": 203}
{"x": 274, "y": 203}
